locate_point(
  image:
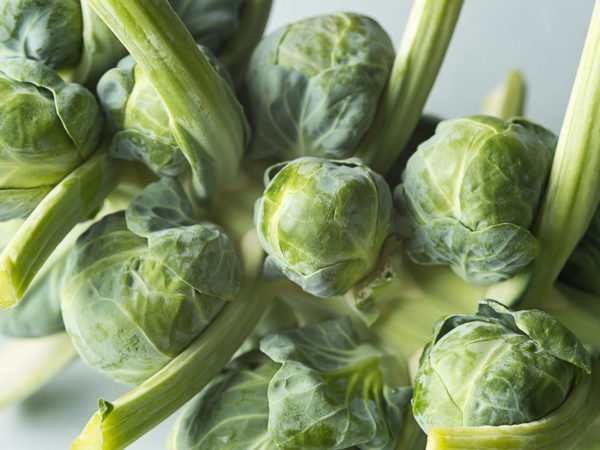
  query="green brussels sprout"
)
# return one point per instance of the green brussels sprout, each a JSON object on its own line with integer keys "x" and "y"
{"x": 313, "y": 86}
{"x": 140, "y": 285}
{"x": 142, "y": 121}
{"x": 318, "y": 387}
{"x": 68, "y": 36}
{"x": 36, "y": 154}
{"x": 63, "y": 34}
{"x": 323, "y": 223}
{"x": 471, "y": 193}
{"x": 497, "y": 367}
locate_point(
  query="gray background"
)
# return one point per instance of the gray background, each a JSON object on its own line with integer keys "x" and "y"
{"x": 543, "y": 38}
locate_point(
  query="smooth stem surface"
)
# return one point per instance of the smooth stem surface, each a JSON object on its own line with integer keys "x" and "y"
{"x": 424, "y": 43}
{"x": 508, "y": 99}
{"x": 573, "y": 187}
{"x": 236, "y": 52}
{"x": 71, "y": 201}
{"x": 202, "y": 107}
{"x": 120, "y": 423}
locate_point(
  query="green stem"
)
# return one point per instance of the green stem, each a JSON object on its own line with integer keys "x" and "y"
{"x": 508, "y": 99}
{"x": 205, "y": 117}
{"x": 28, "y": 364}
{"x": 236, "y": 52}
{"x": 71, "y": 201}
{"x": 120, "y": 423}
{"x": 573, "y": 190}
{"x": 422, "y": 49}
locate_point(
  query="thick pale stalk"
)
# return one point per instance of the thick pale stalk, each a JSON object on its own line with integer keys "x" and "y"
{"x": 205, "y": 117}
{"x": 118, "y": 424}
{"x": 573, "y": 188}
{"x": 28, "y": 364}
{"x": 236, "y": 52}
{"x": 422, "y": 49}
{"x": 71, "y": 201}
{"x": 508, "y": 99}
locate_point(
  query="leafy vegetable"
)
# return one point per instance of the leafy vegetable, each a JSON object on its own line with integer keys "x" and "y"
{"x": 141, "y": 120}
{"x": 36, "y": 155}
{"x": 63, "y": 34}
{"x": 497, "y": 367}
{"x": 169, "y": 288}
{"x": 324, "y": 389}
{"x": 313, "y": 86}
{"x": 323, "y": 222}
{"x": 471, "y": 193}
{"x": 188, "y": 86}
{"x": 142, "y": 285}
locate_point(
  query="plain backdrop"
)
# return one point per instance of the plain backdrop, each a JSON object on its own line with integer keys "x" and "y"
{"x": 543, "y": 38}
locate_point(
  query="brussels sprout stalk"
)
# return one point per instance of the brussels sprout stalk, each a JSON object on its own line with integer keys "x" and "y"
{"x": 28, "y": 364}
{"x": 422, "y": 49}
{"x": 69, "y": 202}
{"x": 206, "y": 120}
{"x": 573, "y": 192}
{"x": 237, "y": 50}
{"x": 119, "y": 423}
{"x": 508, "y": 99}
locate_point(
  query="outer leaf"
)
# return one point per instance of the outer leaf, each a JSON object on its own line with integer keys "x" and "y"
{"x": 232, "y": 412}
{"x": 200, "y": 254}
{"x": 485, "y": 256}
{"x": 330, "y": 391}
{"x": 75, "y": 106}
{"x": 161, "y": 205}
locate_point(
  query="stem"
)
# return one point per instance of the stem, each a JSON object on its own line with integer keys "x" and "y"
{"x": 422, "y": 49}
{"x": 28, "y": 364}
{"x": 205, "y": 117}
{"x": 508, "y": 99}
{"x": 573, "y": 190}
{"x": 118, "y": 424}
{"x": 236, "y": 52}
{"x": 69, "y": 202}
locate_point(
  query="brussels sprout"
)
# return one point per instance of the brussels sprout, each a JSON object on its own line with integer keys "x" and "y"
{"x": 319, "y": 388}
{"x": 323, "y": 223}
{"x": 497, "y": 367}
{"x": 140, "y": 285}
{"x": 63, "y": 34}
{"x": 68, "y": 36}
{"x": 36, "y": 154}
{"x": 135, "y": 110}
{"x": 471, "y": 193}
{"x": 313, "y": 86}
